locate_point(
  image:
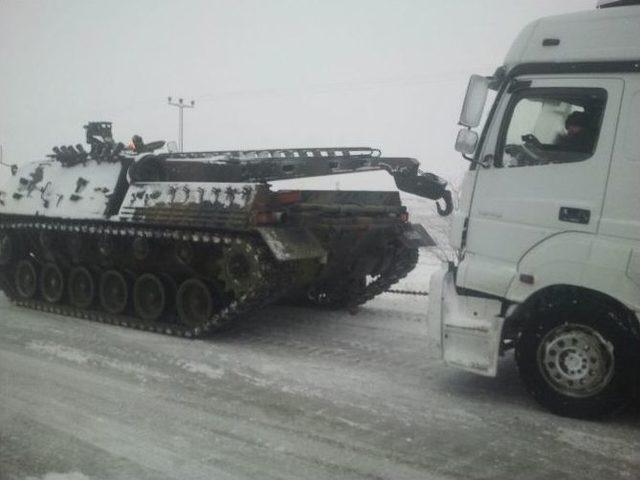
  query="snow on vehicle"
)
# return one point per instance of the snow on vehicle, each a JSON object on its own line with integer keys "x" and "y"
{"x": 183, "y": 243}
{"x": 548, "y": 224}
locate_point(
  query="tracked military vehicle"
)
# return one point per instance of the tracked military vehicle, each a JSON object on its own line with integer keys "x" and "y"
{"x": 183, "y": 243}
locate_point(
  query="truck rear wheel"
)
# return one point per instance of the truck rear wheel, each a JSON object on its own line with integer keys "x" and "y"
{"x": 578, "y": 359}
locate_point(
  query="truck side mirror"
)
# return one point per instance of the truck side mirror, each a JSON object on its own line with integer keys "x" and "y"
{"x": 474, "y": 101}
{"x": 466, "y": 142}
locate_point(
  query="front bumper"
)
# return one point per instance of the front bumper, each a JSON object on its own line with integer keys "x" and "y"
{"x": 465, "y": 331}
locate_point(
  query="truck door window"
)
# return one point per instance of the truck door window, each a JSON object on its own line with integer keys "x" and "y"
{"x": 548, "y": 125}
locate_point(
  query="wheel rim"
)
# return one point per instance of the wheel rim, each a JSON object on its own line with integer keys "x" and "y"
{"x": 81, "y": 287}
{"x": 114, "y": 292}
{"x": 52, "y": 283}
{"x": 26, "y": 279}
{"x": 6, "y": 249}
{"x": 194, "y": 302}
{"x": 149, "y": 297}
{"x": 576, "y": 360}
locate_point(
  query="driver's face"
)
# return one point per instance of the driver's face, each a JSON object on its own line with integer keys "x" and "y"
{"x": 574, "y": 129}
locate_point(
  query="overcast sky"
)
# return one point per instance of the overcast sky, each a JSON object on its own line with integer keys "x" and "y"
{"x": 263, "y": 73}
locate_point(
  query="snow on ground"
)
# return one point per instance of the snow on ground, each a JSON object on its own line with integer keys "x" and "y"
{"x": 288, "y": 393}
{"x": 62, "y": 476}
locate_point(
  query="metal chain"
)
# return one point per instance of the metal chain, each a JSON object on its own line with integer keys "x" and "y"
{"x": 419, "y": 293}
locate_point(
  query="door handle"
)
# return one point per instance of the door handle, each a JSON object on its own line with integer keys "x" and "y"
{"x": 574, "y": 215}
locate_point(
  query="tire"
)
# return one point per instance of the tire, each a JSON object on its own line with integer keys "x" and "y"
{"x": 578, "y": 359}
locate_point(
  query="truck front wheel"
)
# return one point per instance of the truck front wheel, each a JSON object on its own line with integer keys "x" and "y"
{"x": 578, "y": 359}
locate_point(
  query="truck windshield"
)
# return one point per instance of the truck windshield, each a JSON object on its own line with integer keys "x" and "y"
{"x": 551, "y": 126}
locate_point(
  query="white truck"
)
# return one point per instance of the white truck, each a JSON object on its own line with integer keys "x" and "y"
{"x": 547, "y": 230}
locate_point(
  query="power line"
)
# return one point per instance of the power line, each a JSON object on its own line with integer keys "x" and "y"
{"x": 320, "y": 88}
{"x": 339, "y": 87}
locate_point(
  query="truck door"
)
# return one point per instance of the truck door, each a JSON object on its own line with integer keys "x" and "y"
{"x": 548, "y": 152}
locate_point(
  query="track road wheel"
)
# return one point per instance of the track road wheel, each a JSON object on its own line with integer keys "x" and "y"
{"x": 81, "y": 287}
{"x": 194, "y": 302}
{"x": 7, "y": 249}
{"x": 114, "y": 292}
{"x": 149, "y": 297}
{"x": 52, "y": 283}
{"x": 578, "y": 360}
{"x": 26, "y": 278}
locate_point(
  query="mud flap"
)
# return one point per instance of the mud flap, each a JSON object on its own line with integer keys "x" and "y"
{"x": 471, "y": 330}
{"x": 416, "y": 236}
{"x": 292, "y": 243}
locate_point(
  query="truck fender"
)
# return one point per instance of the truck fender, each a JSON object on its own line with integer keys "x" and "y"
{"x": 603, "y": 264}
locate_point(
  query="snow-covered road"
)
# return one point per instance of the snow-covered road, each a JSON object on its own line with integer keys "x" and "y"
{"x": 288, "y": 394}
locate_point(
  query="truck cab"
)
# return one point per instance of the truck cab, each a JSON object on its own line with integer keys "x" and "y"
{"x": 547, "y": 227}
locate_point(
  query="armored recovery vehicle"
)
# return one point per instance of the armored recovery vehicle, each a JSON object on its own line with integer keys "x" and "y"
{"x": 183, "y": 243}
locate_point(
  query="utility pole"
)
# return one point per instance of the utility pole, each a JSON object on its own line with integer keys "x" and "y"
{"x": 181, "y": 106}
